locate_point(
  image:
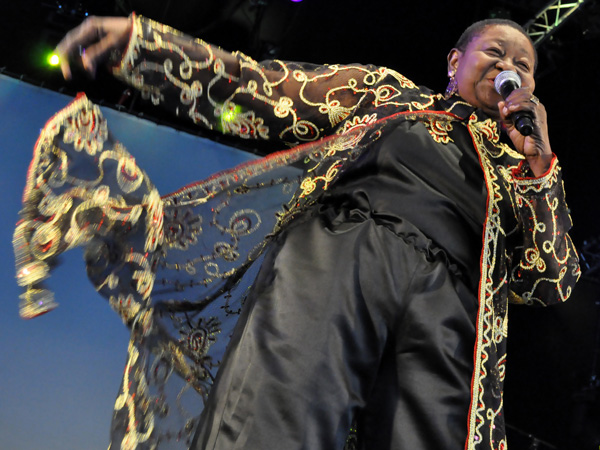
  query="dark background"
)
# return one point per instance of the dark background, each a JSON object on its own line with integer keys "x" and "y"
{"x": 552, "y": 388}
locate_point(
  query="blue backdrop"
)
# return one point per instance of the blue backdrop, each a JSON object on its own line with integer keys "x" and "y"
{"x": 59, "y": 373}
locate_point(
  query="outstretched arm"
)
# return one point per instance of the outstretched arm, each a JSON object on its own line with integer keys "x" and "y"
{"x": 230, "y": 92}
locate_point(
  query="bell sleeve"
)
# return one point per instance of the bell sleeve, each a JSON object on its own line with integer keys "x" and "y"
{"x": 84, "y": 189}
{"x": 548, "y": 267}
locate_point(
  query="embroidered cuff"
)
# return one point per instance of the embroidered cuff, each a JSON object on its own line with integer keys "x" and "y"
{"x": 122, "y": 62}
{"x": 525, "y": 184}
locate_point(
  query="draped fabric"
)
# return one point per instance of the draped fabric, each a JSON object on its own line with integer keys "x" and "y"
{"x": 387, "y": 343}
{"x": 176, "y": 268}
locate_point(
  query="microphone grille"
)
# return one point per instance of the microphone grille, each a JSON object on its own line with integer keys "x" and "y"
{"x": 503, "y": 77}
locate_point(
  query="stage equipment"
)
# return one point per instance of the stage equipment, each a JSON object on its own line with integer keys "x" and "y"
{"x": 550, "y": 18}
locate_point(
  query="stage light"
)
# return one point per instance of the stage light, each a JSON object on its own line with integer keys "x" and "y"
{"x": 53, "y": 60}
{"x": 231, "y": 114}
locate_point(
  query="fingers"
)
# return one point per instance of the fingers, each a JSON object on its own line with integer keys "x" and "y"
{"x": 536, "y": 146}
{"x": 72, "y": 45}
{"x": 91, "y": 42}
{"x": 523, "y": 102}
{"x": 519, "y": 100}
{"x": 97, "y": 52}
{"x": 114, "y": 34}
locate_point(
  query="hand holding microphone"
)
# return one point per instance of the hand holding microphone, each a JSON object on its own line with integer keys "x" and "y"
{"x": 506, "y": 82}
{"x": 532, "y": 142}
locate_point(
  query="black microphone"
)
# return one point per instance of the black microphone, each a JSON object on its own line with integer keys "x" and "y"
{"x": 506, "y": 82}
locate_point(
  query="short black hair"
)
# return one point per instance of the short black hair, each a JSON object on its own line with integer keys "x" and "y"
{"x": 477, "y": 28}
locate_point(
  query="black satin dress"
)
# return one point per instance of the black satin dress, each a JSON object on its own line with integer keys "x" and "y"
{"x": 364, "y": 311}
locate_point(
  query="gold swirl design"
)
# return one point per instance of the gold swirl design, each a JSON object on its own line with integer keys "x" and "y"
{"x": 438, "y": 129}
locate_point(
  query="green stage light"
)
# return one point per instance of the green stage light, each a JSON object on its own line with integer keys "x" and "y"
{"x": 53, "y": 59}
{"x": 231, "y": 114}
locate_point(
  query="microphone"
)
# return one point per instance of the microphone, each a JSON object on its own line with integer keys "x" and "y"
{"x": 506, "y": 82}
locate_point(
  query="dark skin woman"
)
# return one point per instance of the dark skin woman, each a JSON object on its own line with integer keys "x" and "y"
{"x": 383, "y": 302}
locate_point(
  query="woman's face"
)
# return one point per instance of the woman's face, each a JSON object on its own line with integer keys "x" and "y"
{"x": 496, "y": 48}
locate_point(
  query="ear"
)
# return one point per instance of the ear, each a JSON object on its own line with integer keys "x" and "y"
{"x": 453, "y": 59}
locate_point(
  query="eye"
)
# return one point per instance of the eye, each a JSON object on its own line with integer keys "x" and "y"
{"x": 495, "y": 51}
{"x": 522, "y": 65}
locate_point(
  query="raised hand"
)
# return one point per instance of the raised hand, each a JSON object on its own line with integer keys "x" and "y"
{"x": 535, "y": 147}
{"x": 93, "y": 41}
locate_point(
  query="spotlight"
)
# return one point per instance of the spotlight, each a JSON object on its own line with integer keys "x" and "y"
{"x": 231, "y": 114}
{"x": 53, "y": 60}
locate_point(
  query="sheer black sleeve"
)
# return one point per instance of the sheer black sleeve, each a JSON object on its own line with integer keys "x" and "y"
{"x": 230, "y": 92}
{"x": 549, "y": 266}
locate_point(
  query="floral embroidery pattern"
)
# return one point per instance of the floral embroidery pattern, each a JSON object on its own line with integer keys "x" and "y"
{"x": 439, "y": 130}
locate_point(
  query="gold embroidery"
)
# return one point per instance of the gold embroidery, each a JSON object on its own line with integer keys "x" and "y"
{"x": 233, "y": 83}
{"x": 293, "y": 102}
{"x": 139, "y": 427}
{"x": 485, "y": 342}
{"x": 488, "y": 128}
{"x": 357, "y": 122}
{"x": 438, "y": 129}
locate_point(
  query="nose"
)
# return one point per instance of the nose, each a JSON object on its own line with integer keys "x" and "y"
{"x": 505, "y": 64}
